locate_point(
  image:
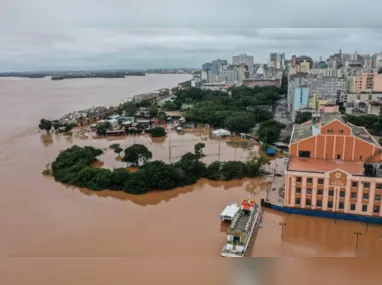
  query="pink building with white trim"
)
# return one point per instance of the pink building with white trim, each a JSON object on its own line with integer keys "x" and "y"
{"x": 334, "y": 166}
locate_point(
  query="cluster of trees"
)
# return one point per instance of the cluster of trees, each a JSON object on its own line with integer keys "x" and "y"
{"x": 73, "y": 166}
{"x": 47, "y": 125}
{"x": 117, "y": 148}
{"x": 170, "y": 106}
{"x": 269, "y": 131}
{"x": 103, "y": 127}
{"x": 158, "y": 132}
{"x": 302, "y": 117}
{"x": 371, "y": 122}
{"x": 238, "y": 111}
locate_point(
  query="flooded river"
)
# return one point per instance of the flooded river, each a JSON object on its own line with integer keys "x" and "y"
{"x": 44, "y": 223}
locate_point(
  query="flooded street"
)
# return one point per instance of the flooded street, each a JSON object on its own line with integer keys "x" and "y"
{"x": 52, "y": 220}
{"x": 41, "y": 220}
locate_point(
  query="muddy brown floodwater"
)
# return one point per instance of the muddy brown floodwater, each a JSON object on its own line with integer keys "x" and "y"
{"x": 45, "y": 224}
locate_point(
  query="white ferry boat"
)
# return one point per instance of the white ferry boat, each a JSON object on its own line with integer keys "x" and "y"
{"x": 245, "y": 222}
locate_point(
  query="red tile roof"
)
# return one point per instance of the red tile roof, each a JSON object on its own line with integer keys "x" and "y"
{"x": 324, "y": 165}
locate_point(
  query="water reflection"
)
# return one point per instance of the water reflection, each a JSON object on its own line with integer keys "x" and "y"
{"x": 46, "y": 139}
{"x": 251, "y": 186}
{"x": 310, "y": 236}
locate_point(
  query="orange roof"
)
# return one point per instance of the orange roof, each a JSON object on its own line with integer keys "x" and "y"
{"x": 324, "y": 165}
{"x": 247, "y": 204}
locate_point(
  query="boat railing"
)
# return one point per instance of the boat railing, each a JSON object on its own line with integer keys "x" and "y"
{"x": 236, "y": 219}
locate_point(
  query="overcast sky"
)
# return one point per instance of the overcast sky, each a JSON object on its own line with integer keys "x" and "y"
{"x": 92, "y": 34}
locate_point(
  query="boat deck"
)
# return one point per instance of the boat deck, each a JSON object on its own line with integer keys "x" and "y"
{"x": 242, "y": 222}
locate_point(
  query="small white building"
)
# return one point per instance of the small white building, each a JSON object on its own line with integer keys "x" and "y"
{"x": 114, "y": 117}
{"x": 221, "y": 133}
{"x": 113, "y": 122}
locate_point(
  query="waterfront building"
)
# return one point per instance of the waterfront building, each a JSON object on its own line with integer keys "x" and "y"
{"x": 334, "y": 166}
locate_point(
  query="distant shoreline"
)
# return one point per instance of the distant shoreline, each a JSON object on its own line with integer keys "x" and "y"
{"x": 105, "y": 76}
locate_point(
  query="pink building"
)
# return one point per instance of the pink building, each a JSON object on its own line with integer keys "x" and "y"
{"x": 328, "y": 108}
{"x": 377, "y": 83}
{"x": 334, "y": 166}
{"x": 367, "y": 82}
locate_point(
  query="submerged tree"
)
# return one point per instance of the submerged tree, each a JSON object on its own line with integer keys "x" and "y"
{"x": 103, "y": 127}
{"x": 45, "y": 125}
{"x": 198, "y": 150}
{"x": 158, "y": 132}
{"x": 137, "y": 153}
{"x": 118, "y": 150}
{"x": 114, "y": 145}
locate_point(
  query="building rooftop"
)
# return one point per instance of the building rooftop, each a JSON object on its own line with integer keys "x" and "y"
{"x": 305, "y": 130}
{"x": 302, "y": 131}
{"x": 324, "y": 165}
{"x": 326, "y": 118}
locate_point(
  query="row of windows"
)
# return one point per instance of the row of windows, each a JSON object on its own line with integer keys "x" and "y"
{"x": 354, "y": 184}
{"x": 340, "y": 131}
{"x": 341, "y": 205}
{"x": 310, "y": 180}
{"x": 320, "y": 192}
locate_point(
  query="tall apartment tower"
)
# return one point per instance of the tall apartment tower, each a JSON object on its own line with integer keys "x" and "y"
{"x": 244, "y": 59}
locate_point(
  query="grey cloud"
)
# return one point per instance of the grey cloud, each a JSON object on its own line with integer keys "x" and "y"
{"x": 189, "y": 14}
{"x": 52, "y": 34}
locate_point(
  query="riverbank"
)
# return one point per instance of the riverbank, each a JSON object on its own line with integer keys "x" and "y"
{"x": 25, "y": 101}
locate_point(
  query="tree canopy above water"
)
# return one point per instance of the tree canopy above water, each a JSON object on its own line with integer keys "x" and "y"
{"x": 73, "y": 166}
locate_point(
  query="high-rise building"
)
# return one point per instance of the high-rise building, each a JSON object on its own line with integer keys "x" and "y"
{"x": 243, "y": 59}
{"x": 217, "y": 66}
{"x": 277, "y": 60}
{"x": 367, "y": 82}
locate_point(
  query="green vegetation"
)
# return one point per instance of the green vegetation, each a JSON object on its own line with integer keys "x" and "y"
{"x": 73, "y": 166}
{"x": 103, "y": 127}
{"x": 239, "y": 112}
{"x": 144, "y": 104}
{"x": 198, "y": 150}
{"x": 371, "y": 122}
{"x": 129, "y": 107}
{"x": 154, "y": 111}
{"x": 170, "y": 106}
{"x": 45, "y": 125}
{"x": 114, "y": 145}
{"x": 158, "y": 132}
{"x": 380, "y": 70}
{"x": 302, "y": 117}
{"x": 269, "y": 131}
{"x": 137, "y": 153}
{"x": 118, "y": 150}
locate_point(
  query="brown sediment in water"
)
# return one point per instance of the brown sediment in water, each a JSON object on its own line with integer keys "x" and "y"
{"x": 42, "y": 218}
{"x": 57, "y": 220}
